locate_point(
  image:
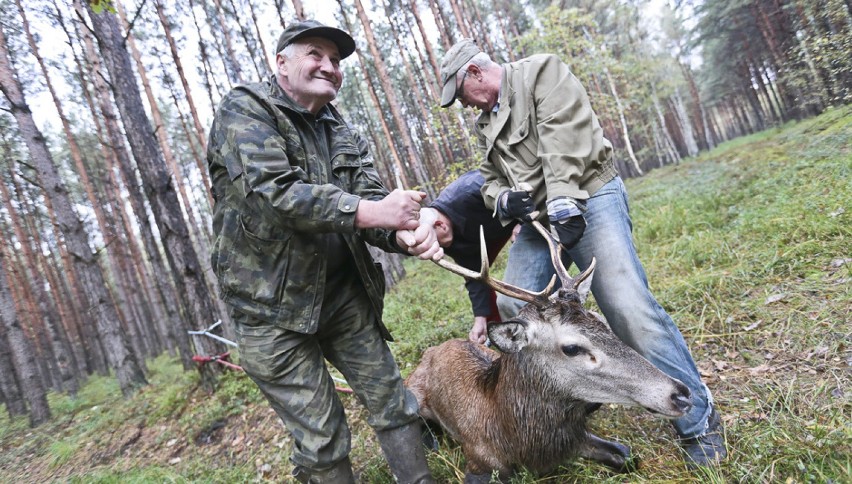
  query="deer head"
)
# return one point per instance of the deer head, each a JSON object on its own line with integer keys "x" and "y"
{"x": 573, "y": 350}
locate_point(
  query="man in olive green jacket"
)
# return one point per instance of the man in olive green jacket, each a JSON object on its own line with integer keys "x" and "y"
{"x": 545, "y": 151}
{"x": 297, "y": 197}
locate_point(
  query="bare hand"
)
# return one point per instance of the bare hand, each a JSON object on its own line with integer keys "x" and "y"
{"x": 479, "y": 331}
{"x": 423, "y": 241}
{"x": 400, "y": 210}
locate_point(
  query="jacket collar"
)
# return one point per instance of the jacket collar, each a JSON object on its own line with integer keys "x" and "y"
{"x": 490, "y": 123}
{"x": 281, "y": 99}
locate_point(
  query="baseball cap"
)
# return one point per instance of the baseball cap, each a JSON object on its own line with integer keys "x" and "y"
{"x": 312, "y": 28}
{"x": 459, "y": 54}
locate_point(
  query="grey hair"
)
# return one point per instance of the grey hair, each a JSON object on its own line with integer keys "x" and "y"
{"x": 289, "y": 50}
{"x": 481, "y": 60}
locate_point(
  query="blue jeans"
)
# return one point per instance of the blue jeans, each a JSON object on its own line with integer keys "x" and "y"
{"x": 621, "y": 290}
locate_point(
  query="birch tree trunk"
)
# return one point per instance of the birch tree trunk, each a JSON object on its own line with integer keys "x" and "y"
{"x": 128, "y": 371}
{"x": 685, "y": 124}
{"x": 623, "y": 120}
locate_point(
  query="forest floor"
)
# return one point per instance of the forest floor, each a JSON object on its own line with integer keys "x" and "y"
{"x": 749, "y": 247}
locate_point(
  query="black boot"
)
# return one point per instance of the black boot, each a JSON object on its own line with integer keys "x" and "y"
{"x": 340, "y": 473}
{"x": 405, "y": 455}
{"x": 709, "y": 447}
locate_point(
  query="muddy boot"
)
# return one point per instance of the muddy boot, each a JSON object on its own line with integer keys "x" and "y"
{"x": 340, "y": 473}
{"x": 404, "y": 452}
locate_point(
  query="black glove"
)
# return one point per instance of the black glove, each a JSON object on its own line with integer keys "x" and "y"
{"x": 518, "y": 205}
{"x": 566, "y": 219}
{"x": 570, "y": 230}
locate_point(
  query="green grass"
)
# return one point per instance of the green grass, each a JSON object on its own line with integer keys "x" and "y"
{"x": 749, "y": 247}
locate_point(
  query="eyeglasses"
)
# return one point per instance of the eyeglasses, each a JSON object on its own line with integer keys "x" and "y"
{"x": 460, "y": 88}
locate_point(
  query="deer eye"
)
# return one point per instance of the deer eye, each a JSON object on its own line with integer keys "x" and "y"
{"x": 571, "y": 350}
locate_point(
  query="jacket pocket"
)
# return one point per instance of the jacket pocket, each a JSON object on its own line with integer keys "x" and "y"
{"x": 256, "y": 261}
{"x": 522, "y": 143}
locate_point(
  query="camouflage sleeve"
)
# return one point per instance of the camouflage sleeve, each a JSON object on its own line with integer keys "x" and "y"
{"x": 369, "y": 186}
{"x": 252, "y": 148}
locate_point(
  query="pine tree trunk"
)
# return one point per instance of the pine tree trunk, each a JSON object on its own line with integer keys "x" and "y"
{"x": 425, "y": 118}
{"x": 700, "y": 114}
{"x": 393, "y": 103}
{"x": 124, "y": 362}
{"x": 399, "y": 169}
{"x": 461, "y": 20}
{"x": 267, "y": 55}
{"x": 59, "y": 343}
{"x": 507, "y": 39}
{"x": 433, "y": 60}
{"x": 115, "y": 259}
{"x": 209, "y": 79}
{"x": 199, "y": 129}
{"x": 20, "y": 348}
{"x": 685, "y": 123}
{"x": 231, "y": 56}
{"x": 482, "y": 28}
{"x": 667, "y": 141}
{"x": 279, "y": 7}
{"x": 299, "y": 9}
{"x": 445, "y": 32}
{"x": 183, "y": 260}
{"x": 116, "y": 150}
{"x": 9, "y": 386}
{"x": 623, "y": 120}
{"x": 32, "y": 322}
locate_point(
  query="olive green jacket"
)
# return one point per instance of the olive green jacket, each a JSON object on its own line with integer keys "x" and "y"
{"x": 543, "y": 133}
{"x": 283, "y": 178}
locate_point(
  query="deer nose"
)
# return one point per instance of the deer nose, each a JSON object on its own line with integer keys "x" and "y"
{"x": 681, "y": 398}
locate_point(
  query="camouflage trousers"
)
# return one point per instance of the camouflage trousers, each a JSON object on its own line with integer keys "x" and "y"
{"x": 290, "y": 369}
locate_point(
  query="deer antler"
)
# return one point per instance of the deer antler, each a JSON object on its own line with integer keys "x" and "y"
{"x": 561, "y": 271}
{"x": 537, "y": 298}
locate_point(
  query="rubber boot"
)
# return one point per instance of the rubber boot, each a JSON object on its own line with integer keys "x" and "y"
{"x": 404, "y": 452}
{"x": 340, "y": 473}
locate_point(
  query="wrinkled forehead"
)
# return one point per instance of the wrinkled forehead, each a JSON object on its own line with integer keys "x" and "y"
{"x": 321, "y": 43}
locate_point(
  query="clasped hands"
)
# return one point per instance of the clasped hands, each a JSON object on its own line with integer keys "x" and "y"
{"x": 400, "y": 210}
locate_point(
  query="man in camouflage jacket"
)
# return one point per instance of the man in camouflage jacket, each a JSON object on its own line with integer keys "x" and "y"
{"x": 297, "y": 197}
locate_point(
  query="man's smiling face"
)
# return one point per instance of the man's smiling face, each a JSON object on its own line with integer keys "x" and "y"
{"x": 311, "y": 75}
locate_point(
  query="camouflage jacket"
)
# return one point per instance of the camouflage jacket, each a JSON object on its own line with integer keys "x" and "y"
{"x": 282, "y": 179}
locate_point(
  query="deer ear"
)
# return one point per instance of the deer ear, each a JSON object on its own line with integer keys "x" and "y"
{"x": 509, "y": 336}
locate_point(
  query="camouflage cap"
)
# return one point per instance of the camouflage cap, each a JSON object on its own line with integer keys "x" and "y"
{"x": 312, "y": 28}
{"x": 455, "y": 58}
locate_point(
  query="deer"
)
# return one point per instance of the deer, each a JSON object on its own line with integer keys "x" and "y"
{"x": 527, "y": 406}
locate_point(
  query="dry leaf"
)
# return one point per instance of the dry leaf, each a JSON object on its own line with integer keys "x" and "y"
{"x": 759, "y": 370}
